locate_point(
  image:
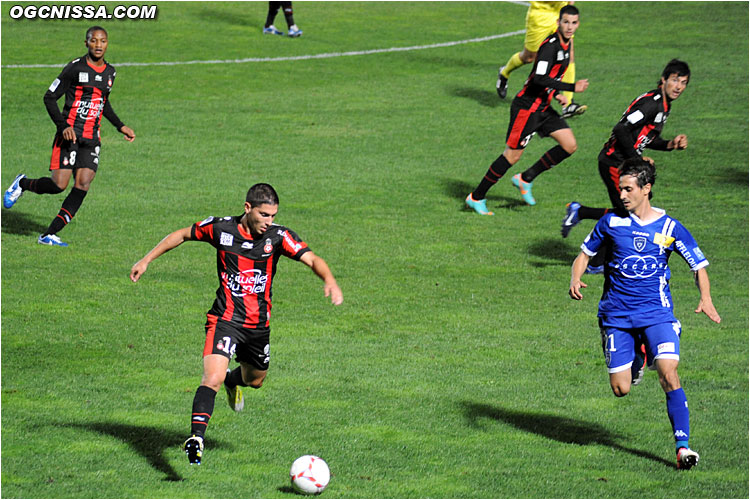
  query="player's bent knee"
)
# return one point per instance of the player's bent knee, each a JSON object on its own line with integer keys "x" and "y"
{"x": 571, "y": 148}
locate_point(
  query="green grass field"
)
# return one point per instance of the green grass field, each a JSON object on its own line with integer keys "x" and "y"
{"x": 457, "y": 366}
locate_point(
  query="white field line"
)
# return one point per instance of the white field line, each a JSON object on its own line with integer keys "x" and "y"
{"x": 289, "y": 58}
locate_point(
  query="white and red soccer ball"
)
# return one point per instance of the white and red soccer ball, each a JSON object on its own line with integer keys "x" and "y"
{"x": 309, "y": 475}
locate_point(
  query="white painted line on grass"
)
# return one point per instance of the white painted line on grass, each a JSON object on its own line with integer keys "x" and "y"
{"x": 288, "y": 58}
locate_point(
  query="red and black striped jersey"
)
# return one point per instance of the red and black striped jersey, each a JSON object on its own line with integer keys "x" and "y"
{"x": 246, "y": 267}
{"x": 545, "y": 79}
{"x": 86, "y": 89}
{"x": 639, "y": 128}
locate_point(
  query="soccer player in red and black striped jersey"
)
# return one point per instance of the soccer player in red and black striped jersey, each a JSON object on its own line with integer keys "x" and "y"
{"x": 531, "y": 113}
{"x": 639, "y": 128}
{"x": 86, "y": 83}
{"x": 248, "y": 249}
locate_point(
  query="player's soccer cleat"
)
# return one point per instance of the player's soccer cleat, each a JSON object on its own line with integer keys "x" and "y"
{"x": 573, "y": 109}
{"x": 294, "y": 32}
{"x": 13, "y": 192}
{"x": 235, "y": 398}
{"x": 502, "y": 84}
{"x": 686, "y": 458}
{"x": 636, "y": 369}
{"x": 594, "y": 269}
{"x": 525, "y": 189}
{"x": 571, "y": 218}
{"x": 479, "y": 207}
{"x": 51, "y": 240}
{"x": 193, "y": 447}
{"x": 271, "y": 30}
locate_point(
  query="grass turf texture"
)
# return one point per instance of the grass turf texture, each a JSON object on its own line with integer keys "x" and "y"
{"x": 457, "y": 366}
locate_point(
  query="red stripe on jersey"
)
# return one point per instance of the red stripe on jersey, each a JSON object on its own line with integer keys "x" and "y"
{"x": 93, "y": 117}
{"x": 74, "y": 108}
{"x": 250, "y": 298}
{"x": 614, "y": 174}
{"x": 643, "y": 134}
{"x": 267, "y": 293}
{"x": 211, "y": 321}
{"x": 228, "y": 301}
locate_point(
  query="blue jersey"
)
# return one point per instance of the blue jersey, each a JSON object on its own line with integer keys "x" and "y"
{"x": 636, "y": 273}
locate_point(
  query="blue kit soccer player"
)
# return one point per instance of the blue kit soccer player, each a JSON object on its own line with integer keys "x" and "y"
{"x": 636, "y": 304}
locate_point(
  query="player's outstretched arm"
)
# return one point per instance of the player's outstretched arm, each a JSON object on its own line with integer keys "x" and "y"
{"x": 172, "y": 240}
{"x": 319, "y": 267}
{"x": 576, "y": 271}
{"x": 706, "y": 305}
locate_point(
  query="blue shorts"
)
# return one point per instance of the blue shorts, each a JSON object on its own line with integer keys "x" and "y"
{"x": 662, "y": 342}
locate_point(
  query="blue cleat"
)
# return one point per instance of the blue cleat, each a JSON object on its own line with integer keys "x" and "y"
{"x": 271, "y": 30}
{"x": 294, "y": 31}
{"x": 571, "y": 218}
{"x": 594, "y": 269}
{"x": 51, "y": 240}
{"x": 525, "y": 188}
{"x": 479, "y": 207}
{"x": 13, "y": 192}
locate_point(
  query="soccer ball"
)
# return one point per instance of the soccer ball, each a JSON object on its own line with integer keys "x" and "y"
{"x": 309, "y": 475}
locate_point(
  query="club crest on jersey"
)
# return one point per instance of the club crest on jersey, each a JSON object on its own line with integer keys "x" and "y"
{"x": 83, "y": 77}
{"x": 268, "y": 248}
{"x": 639, "y": 242}
{"x": 109, "y": 82}
{"x": 226, "y": 239}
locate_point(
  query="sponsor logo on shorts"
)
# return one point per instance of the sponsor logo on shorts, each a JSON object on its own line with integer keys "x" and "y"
{"x": 665, "y": 347}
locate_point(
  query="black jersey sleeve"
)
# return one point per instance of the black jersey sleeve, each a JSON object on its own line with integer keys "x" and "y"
{"x": 545, "y": 60}
{"x": 624, "y": 140}
{"x": 110, "y": 115}
{"x": 56, "y": 90}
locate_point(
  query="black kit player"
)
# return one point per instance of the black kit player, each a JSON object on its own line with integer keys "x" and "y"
{"x": 639, "y": 128}
{"x": 248, "y": 248}
{"x": 86, "y": 83}
{"x": 531, "y": 113}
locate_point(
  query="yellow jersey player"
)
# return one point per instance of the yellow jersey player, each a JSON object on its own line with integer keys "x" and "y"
{"x": 541, "y": 21}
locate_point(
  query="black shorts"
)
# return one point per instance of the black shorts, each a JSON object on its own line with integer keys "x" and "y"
{"x": 72, "y": 155}
{"x": 610, "y": 174}
{"x": 525, "y": 122}
{"x": 247, "y": 345}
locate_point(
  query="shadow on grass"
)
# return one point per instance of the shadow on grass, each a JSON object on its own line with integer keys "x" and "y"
{"x": 149, "y": 442}
{"x": 486, "y": 98}
{"x": 460, "y": 189}
{"x": 561, "y": 429}
{"x": 15, "y": 222}
{"x": 558, "y": 250}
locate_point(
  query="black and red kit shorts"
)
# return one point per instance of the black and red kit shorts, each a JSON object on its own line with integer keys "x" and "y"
{"x": 250, "y": 346}
{"x": 72, "y": 155}
{"x": 526, "y": 120}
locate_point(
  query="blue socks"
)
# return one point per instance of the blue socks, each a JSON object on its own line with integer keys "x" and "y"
{"x": 679, "y": 416}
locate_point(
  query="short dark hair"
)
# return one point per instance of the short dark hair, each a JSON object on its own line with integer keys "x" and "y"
{"x": 91, "y": 30}
{"x": 642, "y": 170}
{"x": 675, "y": 66}
{"x": 571, "y": 10}
{"x": 260, "y": 194}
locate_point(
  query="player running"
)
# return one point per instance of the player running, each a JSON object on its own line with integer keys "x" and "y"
{"x": 541, "y": 21}
{"x": 639, "y": 127}
{"x": 530, "y": 112}
{"x": 86, "y": 83}
{"x": 636, "y": 304}
{"x": 248, "y": 248}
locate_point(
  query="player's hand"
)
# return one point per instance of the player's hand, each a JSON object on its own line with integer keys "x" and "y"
{"x": 649, "y": 160}
{"x": 562, "y": 100}
{"x": 679, "y": 142}
{"x": 332, "y": 290}
{"x": 69, "y": 134}
{"x": 707, "y": 307}
{"x": 575, "y": 289}
{"x": 128, "y": 133}
{"x": 582, "y": 85}
{"x": 137, "y": 270}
